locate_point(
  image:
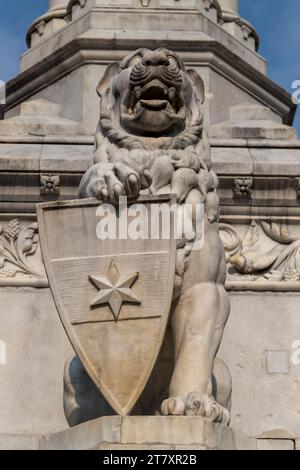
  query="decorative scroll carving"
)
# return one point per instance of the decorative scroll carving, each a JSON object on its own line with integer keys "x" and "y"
{"x": 18, "y": 245}
{"x": 267, "y": 251}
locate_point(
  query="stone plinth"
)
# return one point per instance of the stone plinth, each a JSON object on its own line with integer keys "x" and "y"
{"x": 142, "y": 432}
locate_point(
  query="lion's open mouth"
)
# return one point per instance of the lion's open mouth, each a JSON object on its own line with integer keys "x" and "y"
{"x": 154, "y": 96}
{"x": 154, "y": 104}
{"x": 153, "y": 108}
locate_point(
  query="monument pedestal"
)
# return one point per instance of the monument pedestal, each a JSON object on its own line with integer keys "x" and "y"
{"x": 143, "y": 433}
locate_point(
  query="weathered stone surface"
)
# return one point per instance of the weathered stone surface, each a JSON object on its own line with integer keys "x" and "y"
{"x": 272, "y": 320}
{"x": 45, "y": 157}
{"x": 112, "y": 304}
{"x": 85, "y": 436}
{"x": 36, "y": 350}
{"x": 39, "y": 118}
{"x": 278, "y": 362}
{"x": 230, "y": 161}
{"x": 274, "y": 162}
{"x": 47, "y": 24}
{"x": 143, "y": 432}
{"x": 263, "y": 254}
{"x": 65, "y": 158}
{"x": 252, "y": 121}
{"x": 94, "y": 33}
{"x": 186, "y": 15}
{"x": 175, "y": 430}
{"x": 19, "y": 442}
{"x": 151, "y": 140}
{"x": 21, "y": 259}
{"x": 17, "y": 157}
{"x": 248, "y": 142}
{"x": 275, "y": 444}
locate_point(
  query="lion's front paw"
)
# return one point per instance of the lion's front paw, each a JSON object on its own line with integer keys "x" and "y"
{"x": 107, "y": 182}
{"x": 196, "y": 404}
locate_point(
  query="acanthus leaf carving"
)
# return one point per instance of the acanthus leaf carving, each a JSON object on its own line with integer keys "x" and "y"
{"x": 17, "y": 245}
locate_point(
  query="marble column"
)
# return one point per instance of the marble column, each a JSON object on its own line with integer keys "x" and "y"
{"x": 51, "y": 21}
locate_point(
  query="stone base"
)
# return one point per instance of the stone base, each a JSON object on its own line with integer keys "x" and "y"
{"x": 143, "y": 433}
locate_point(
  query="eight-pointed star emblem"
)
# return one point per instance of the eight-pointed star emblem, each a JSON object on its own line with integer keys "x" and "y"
{"x": 114, "y": 289}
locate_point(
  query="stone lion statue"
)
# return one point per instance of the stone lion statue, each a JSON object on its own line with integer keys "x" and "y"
{"x": 151, "y": 140}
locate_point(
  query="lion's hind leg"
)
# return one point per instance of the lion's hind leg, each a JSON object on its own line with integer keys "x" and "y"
{"x": 198, "y": 325}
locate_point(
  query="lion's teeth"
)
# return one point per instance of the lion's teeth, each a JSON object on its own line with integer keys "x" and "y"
{"x": 138, "y": 92}
{"x": 172, "y": 92}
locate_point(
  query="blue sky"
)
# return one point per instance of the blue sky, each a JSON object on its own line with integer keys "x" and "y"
{"x": 276, "y": 21}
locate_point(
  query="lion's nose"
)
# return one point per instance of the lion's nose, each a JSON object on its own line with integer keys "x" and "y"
{"x": 155, "y": 58}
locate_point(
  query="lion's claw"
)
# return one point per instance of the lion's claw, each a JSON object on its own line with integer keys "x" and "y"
{"x": 173, "y": 406}
{"x": 196, "y": 404}
{"x": 107, "y": 182}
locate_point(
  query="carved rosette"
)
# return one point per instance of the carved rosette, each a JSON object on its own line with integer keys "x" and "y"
{"x": 50, "y": 184}
{"x": 243, "y": 187}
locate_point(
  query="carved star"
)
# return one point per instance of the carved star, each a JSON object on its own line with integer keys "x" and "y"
{"x": 114, "y": 289}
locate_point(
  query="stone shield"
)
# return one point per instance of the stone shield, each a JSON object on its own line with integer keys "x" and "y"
{"x": 113, "y": 295}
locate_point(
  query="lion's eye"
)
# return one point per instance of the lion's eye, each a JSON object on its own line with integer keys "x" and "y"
{"x": 135, "y": 61}
{"x": 173, "y": 62}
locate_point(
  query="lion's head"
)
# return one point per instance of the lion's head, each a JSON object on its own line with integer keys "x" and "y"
{"x": 150, "y": 96}
{"x": 154, "y": 93}
{"x": 150, "y": 135}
